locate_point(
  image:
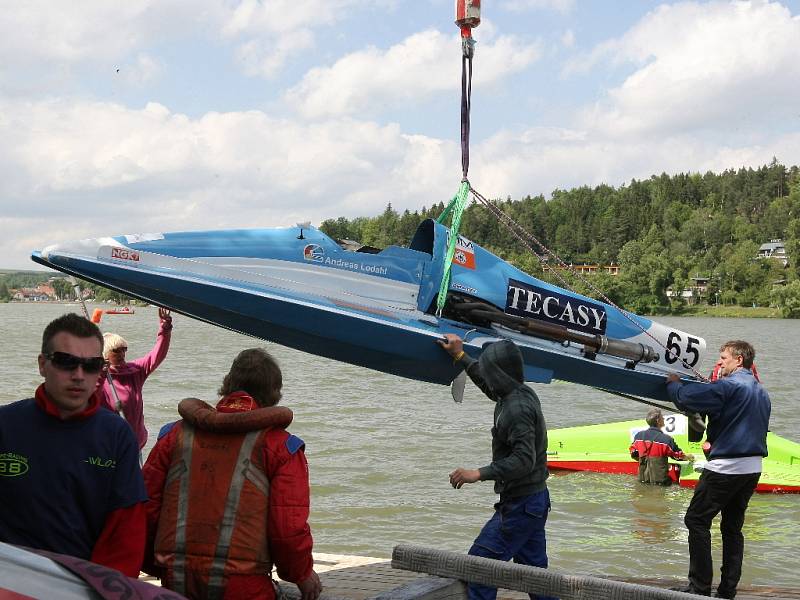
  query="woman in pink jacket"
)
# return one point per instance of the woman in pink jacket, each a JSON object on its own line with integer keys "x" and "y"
{"x": 128, "y": 378}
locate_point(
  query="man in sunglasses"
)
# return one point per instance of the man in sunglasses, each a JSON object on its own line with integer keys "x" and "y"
{"x": 69, "y": 472}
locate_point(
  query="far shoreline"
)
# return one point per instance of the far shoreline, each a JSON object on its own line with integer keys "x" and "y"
{"x": 730, "y": 312}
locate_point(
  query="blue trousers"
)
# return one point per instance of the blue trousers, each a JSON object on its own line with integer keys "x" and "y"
{"x": 516, "y": 530}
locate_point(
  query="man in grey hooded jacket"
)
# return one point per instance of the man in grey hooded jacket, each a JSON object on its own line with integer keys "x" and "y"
{"x": 519, "y": 460}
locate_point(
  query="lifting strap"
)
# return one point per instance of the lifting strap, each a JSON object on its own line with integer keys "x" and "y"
{"x": 459, "y": 202}
{"x": 455, "y": 209}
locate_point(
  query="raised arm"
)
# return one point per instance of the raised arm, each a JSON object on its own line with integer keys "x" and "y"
{"x": 703, "y": 398}
{"x": 150, "y": 361}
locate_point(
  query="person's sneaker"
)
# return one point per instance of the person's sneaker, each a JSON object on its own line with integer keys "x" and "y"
{"x": 689, "y": 589}
{"x": 724, "y": 594}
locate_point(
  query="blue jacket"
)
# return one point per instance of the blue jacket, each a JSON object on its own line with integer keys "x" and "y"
{"x": 738, "y": 409}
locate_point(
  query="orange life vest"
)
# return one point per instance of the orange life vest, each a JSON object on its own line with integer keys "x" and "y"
{"x": 203, "y": 542}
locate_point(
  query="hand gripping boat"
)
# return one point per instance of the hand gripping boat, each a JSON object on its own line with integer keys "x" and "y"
{"x": 377, "y": 309}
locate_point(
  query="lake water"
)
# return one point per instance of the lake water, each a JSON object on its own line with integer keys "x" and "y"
{"x": 380, "y": 448}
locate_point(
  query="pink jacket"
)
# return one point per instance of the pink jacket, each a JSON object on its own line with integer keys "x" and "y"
{"x": 129, "y": 380}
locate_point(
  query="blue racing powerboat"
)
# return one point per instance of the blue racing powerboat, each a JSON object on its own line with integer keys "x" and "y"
{"x": 378, "y": 308}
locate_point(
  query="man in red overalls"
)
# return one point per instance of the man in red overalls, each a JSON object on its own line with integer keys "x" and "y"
{"x": 229, "y": 492}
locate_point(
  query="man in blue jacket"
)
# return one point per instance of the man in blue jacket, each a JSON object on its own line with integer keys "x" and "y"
{"x": 738, "y": 410}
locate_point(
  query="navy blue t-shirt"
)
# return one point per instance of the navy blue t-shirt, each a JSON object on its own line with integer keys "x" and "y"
{"x": 59, "y": 480}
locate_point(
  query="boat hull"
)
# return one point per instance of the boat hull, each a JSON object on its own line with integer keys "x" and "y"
{"x": 300, "y": 289}
{"x": 381, "y": 342}
{"x": 401, "y": 343}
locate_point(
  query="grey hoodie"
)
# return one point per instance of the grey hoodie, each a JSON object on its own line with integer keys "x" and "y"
{"x": 519, "y": 435}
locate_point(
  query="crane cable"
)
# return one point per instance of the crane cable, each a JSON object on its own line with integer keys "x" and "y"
{"x": 117, "y": 402}
{"x": 526, "y": 237}
{"x": 459, "y": 202}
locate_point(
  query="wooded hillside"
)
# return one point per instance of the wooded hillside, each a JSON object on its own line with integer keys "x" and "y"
{"x": 661, "y": 232}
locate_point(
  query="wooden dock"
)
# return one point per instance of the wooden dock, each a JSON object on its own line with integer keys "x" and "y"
{"x": 362, "y": 578}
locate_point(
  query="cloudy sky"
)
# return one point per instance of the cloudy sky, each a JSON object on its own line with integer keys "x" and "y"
{"x": 163, "y": 115}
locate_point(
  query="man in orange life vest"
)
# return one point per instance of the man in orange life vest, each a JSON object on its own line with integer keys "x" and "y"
{"x": 229, "y": 492}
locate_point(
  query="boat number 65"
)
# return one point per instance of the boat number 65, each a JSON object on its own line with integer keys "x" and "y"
{"x": 676, "y": 349}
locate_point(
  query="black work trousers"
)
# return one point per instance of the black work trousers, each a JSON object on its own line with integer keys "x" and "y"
{"x": 715, "y": 493}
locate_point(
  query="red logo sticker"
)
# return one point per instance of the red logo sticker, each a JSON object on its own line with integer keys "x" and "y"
{"x": 464, "y": 254}
{"x": 124, "y": 253}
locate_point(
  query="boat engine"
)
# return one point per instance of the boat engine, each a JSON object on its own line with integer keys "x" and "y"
{"x": 482, "y": 314}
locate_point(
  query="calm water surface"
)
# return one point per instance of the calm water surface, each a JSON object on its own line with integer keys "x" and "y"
{"x": 380, "y": 448}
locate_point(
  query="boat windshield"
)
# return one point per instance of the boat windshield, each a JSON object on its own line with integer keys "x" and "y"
{"x": 353, "y": 246}
{"x": 423, "y": 237}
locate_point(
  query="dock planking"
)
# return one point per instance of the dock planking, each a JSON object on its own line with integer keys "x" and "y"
{"x": 361, "y": 578}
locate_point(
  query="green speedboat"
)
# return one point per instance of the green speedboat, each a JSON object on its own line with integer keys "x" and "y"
{"x": 604, "y": 449}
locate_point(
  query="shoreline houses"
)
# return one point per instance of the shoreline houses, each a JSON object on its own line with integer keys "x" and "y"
{"x": 41, "y": 293}
{"x": 773, "y": 250}
{"x": 54, "y": 290}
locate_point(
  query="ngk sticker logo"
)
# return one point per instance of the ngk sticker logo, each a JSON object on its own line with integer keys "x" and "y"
{"x": 124, "y": 254}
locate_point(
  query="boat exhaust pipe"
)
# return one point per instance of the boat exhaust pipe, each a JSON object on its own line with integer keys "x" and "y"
{"x": 593, "y": 344}
{"x": 631, "y": 350}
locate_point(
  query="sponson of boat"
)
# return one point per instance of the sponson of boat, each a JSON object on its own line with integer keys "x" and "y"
{"x": 603, "y": 448}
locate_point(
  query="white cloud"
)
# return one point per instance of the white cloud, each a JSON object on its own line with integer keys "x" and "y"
{"x": 562, "y": 6}
{"x": 255, "y": 17}
{"x": 88, "y": 169}
{"x": 419, "y": 66}
{"x": 276, "y": 30}
{"x": 539, "y": 160}
{"x": 44, "y": 45}
{"x": 50, "y": 39}
{"x": 70, "y": 32}
{"x": 720, "y": 65}
{"x": 266, "y": 57}
{"x": 78, "y": 169}
{"x": 708, "y": 86}
{"x": 142, "y": 70}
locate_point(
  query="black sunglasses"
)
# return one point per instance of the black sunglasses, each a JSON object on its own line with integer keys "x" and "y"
{"x": 69, "y": 362}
